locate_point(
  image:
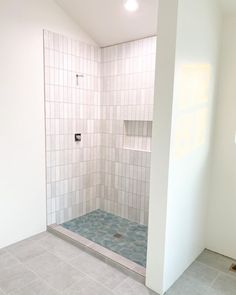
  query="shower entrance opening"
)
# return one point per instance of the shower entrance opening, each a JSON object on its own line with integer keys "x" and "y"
{"x": 98, "y": 117}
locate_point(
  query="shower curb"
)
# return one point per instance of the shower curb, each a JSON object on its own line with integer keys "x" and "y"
{"x": 128, "y": 267}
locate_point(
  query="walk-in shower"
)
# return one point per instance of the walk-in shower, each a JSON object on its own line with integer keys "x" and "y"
{"x": 98, "y": 109}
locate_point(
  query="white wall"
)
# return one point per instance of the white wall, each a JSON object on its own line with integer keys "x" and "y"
{"x": 162, "y": 116}
{"x": 22, "y": 135}
{"x": 196, "y": 58}
{"x": 182, "y": 191}
{"x": 221, "y": 235}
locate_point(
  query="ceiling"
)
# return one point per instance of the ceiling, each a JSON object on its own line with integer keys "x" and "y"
{"x": 229, "y": 6}
{"x": 108, "y": 23}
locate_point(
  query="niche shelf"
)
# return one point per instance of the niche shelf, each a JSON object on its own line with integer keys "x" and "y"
{"x": 137, "y": 135}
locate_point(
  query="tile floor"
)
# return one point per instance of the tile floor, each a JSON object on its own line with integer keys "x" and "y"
{"x": 208, "y": 275}
{"x": 100, "y": 227}
{"x": 47, "y": 265}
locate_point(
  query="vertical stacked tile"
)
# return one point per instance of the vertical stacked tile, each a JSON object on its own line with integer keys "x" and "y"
{"x": 110, "y": 168}
{"x": 72, "y": 105}
{"x": 127, "y": 91}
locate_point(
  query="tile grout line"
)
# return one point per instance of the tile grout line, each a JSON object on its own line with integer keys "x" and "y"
{"x": 62, "y": 260}
{"x": 90, "y": 277}
{"x": 84, "y": 252}
{"x": 212, "y": 283}
{"x": 29, "y": 269}
{"x": 221, "y": 272}
{"x": 88, "y": 247}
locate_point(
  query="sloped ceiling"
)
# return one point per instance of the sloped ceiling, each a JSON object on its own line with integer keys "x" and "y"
{"x": 108, "y": 23}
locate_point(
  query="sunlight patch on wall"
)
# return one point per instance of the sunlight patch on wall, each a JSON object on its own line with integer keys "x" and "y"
{"x": 194, "y": 85}
{"x": 192, "y": 111}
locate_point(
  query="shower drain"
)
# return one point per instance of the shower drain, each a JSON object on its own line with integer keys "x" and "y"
{"x": 117, "y": 235}
{"x": 233, "y": 267}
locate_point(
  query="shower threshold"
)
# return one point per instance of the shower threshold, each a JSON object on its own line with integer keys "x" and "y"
{"x": 115, "y": 240}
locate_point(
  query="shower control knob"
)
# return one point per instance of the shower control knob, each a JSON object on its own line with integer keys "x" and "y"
{"x": 78, "y": 137}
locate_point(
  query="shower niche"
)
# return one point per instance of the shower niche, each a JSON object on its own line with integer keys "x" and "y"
{"x": 138, "y": 135}
{"x": 98, "y": 187}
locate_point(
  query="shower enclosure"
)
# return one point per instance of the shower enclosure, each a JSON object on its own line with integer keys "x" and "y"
{"x": 98, "y": 110}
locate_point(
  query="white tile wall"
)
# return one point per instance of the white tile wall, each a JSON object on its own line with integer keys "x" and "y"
{"x": 110, "y": 167}
{"x": 127, "y": 79}
{"x": 73, "y": 169}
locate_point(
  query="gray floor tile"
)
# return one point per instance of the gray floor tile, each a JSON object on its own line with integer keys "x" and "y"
{"x": 52, "y": 266}
{"x": 100, "y": 271}
{"x": 232, "y": 274}
{"x": 201, "y": 273}
{"x": 43, "y": 263}
{"x": 15, "y": 277}
{"x": 38, "y": 287}
{"x": 131, "y": 287}
{"x": 224, "y": 285}
{"x": 7, "y": 259}
{"x": 59, "y": 247}
{"x": 215, "y": 260}
{"x": 197, "y": 279}
{"x": 87, "y": 287}
{"x": 187, "y": 286}
{"x": 25, "y": 250}
{"x": 55, "y": 271}
{"x": 40, "y": 236}
{"x": 63, "y": 276}
{"x": 87, "y": 263}
{"x": 110, "y": 277}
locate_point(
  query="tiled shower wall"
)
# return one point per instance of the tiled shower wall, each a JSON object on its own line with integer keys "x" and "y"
{"x": 127, "y": 91}
{"x": 72, "y": 105}
{"x": 110, "y": 103}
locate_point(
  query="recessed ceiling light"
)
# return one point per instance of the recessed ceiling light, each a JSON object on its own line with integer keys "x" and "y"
{"x": 131, "y": 5}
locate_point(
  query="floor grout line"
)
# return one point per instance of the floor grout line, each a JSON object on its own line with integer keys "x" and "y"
{"x": 221, "y": 272}
{"x": 22, "y": 263}
{"x": 212, "y": 283}
{"x": 57, "y": 251}
{"x": 92, "y": 278}
{"x": 87, "y": 249}
{"x": 31, "y": 270}
{"x": 68, "y": 263}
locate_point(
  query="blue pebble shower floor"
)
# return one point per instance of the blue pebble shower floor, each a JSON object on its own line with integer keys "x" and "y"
{"x": 101, "y": 228}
